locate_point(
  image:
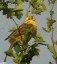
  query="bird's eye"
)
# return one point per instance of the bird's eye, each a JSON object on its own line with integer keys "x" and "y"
{"x": 28, "y": 18}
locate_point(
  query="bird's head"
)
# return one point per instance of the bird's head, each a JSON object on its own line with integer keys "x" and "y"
{"x": 30, "y": 20}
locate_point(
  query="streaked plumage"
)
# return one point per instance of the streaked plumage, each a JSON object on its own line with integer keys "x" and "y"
{"x": 18, "y": 34}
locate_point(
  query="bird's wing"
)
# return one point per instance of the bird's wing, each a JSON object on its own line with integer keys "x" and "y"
{"x": 19, "y": 30}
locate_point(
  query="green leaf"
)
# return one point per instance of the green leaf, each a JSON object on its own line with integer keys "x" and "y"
{"x": 55, "y": 55}
{"x": 12, "y": 29}
{"x": 34, "y": 45}
{"x": 26, "y": 0}
{"x": 38, "y": 6}
{"x": 55, "y": 42}
{"x": 9, "y": 53}
{"x": 49, "y": 1}
{"x": 36, "y": 52}
{"x": 34, "y": 11}
{"x": 46, "y": 30}
{"x": 51, "y": 12}
{"x": 20, "y": 57}
{"x": 41, "y": 3}
{"x": 33, "y": 52}
{"x": 10, "y": 14}
{"x": 22, "y": 0}
{"x": 28, "y": 57}
{"x": 19, "y": 2}
{"x": 5, "y": 11}
{"x": 18, "y": 8}
{"x": 50, "y": 62}
{"x": 12, "y": 1}
{"x": 19, "y": 14}
{"x": 50, "y": 23}
{"x": 16, "y": 59}
{"x": 2, "y": 7}
{"x": 53, "y": 1}
{"x": 27, "y": 35}
{"x": 17, "y": 48}
{"x": 51, "y": 49}
{"x": 38, "y": 38}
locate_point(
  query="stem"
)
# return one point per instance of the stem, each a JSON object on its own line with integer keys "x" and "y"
{"x": 53, "y": 41}
{"x": 17, "y": 29}
{"x": 53, "y": 38}
{"x": 5, "y": 58}
{"x": 15, "y": 23}
{"x": 51, "y": 10}
{"x": 53, "y": 34}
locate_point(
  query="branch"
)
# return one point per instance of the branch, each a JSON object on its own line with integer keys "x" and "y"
{"x": 31, "y": 46}
{"x": 53, "y": 32}
{"x": 42, "y": 44}
{"x": 15, "y": 23}
{"x": 17, "y": 28}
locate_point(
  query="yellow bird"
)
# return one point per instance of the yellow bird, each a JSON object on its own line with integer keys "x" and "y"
{"x": 23, "y": 33}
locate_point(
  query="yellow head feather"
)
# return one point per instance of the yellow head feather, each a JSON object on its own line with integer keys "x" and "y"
{"x": 30, "y": 20}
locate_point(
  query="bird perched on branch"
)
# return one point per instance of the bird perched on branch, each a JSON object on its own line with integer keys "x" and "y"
{"x": 23, "y": 33}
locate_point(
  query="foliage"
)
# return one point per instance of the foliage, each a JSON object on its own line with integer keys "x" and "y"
{"x": 55, "y": 55}
{"x": 21, "y": 51}
{"x": 50, "y": 62}
{"x": 38, "y": 6}
{"x": 17, "y": 10}
{"x": 38, "y": 38}
{"x": 50, "y": 22}
{"x": 17, "y": 48}
{"x": 9, "y": 53}
{"x": 55, "y": 42}
{"x": 51, "y": 1}
{"x": 50, "y": 47}
{"x": 12, "y": 29}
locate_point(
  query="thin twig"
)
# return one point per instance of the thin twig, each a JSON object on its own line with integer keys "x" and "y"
{"x": 53, "y": 33}
{"x": 53, "y": 41}
{"x": 17, "y": 28}
{"x": 53, "y": 38}
{"x": 15, "y": 23}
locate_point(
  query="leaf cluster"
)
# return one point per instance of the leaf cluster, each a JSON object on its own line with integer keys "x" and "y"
{"x": 50, "y": 22}
{"x": 38, "y": 6}
{"x": 10, "y": 12}
{"x": 23, "y": 55}
{"x": 51, "y": 1}
{"x": 51, "y": 49}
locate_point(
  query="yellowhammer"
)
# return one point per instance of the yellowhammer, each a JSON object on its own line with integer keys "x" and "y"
{"x": 23, "y": 33}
